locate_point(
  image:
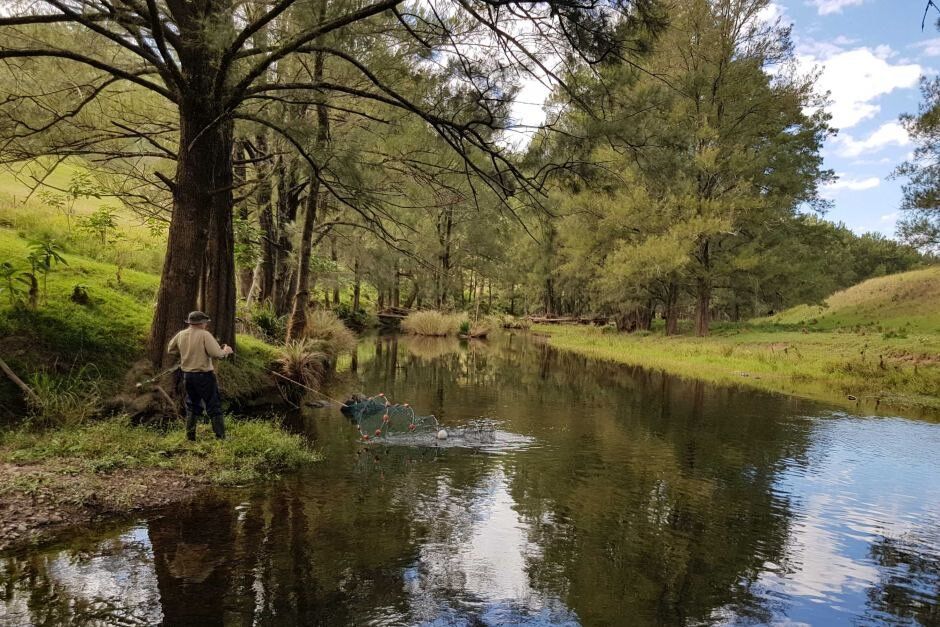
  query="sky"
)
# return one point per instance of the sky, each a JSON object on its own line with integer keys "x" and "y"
{"x": 870, "y": 55}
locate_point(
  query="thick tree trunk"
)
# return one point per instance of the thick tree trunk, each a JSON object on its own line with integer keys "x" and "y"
{"x": 220, "y": 275}
{"x": 203, "y": 167}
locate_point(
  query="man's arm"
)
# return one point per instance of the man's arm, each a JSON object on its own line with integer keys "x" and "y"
{"x": 214, "y": 350}
{"x": 174, "y": 346}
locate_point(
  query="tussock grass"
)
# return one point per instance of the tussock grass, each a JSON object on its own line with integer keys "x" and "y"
{"x": 335, "y": 337}
{"x": 253, "y": 449}
{"x": 301, "y": 361}
{"x": 432, "y": 323}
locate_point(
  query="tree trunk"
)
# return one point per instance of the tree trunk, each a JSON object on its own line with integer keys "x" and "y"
{"x": 396, "y": 289}
{"x": 357, "y": 287}
{"x": 203, "y": 167}
{"x": 704, "y": 296}
{"x": 703, "y": 292}
{"x": 335, "y": 259}
{"x": 298, "y": 317}
{"x": 268, "y": 230}
{"x": 220, "y": 275}
{"x": 671, "y": 309}
{"x": 246, "y": 270}
{"x": 288, "y": 203}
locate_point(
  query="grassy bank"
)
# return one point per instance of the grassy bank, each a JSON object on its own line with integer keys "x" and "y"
{"x": 878, "y": 341}
{"x": 60, "y": 463}
{"x": 252, "y": 450}
{"x": 75, "y": 476}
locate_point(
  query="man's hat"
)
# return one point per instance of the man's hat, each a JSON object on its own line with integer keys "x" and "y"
{"x": 197, "y": 317}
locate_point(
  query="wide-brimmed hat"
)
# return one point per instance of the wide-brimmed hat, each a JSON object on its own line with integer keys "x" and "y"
{"x": 197, "y": 317}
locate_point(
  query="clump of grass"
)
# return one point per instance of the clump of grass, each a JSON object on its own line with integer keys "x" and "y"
{"x": 335, "y": 337}
{"x": 479, "y": 329}
{"x": 432, "y": 323}
{"x": 507, "y": 321}
{"x": 252, "y": 449}
{"x": 303, "y": 362}
{"x": 63, "y": 401}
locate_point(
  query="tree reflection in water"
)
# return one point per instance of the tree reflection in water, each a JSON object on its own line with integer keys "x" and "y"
{"x": 645, "y": 500}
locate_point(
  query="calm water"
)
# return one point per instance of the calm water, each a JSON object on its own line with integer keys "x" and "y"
{"x": 637, "y": 499}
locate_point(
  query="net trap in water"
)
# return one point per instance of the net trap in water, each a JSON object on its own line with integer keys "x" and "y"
{"x": 378, "y": 419}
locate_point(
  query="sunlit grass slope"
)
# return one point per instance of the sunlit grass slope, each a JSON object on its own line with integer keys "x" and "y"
{"x": 910, "y": 300}
{"x": 878, "y": 342}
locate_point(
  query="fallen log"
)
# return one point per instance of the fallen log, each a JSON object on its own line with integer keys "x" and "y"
{"x": 27, "y": 391}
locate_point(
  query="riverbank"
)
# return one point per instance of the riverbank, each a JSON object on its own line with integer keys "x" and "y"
{"x": 78, "y": 476}
{"x": 852, "y": 369}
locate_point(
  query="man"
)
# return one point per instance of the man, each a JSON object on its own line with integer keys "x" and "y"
{"x": 197, "y": 348}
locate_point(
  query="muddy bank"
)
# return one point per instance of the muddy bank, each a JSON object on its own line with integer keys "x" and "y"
{"x": 39, "y": 502}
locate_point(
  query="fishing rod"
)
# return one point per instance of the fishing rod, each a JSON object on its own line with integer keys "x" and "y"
{"x": 309, "y": 389}
{"x": 158, "y": 376}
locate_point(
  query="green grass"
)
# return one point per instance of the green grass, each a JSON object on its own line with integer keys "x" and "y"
{"x": 138, "y": 246}
{"x": 62, "y": 341}
{"x": 253, "y": 450}
{"x": 900, "y": 303}
{"x": 878, "y": 341}
{"x": 109, "y": 331}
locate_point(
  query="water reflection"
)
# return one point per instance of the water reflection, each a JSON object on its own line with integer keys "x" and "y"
{"x": 641, "y": 499}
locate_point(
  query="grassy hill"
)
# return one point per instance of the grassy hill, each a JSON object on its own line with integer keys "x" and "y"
{"x": 872, "y": 347}
{"x": 906, "y": 302}
{"x": 70, "y": 349}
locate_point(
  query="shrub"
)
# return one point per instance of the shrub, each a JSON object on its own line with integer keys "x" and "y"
{"x": 357, "y": 320}
{"x": 264, "y": 323}
{"x": 432, "y": 323}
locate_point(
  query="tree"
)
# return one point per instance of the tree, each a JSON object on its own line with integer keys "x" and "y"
{"x": 920, "y": 226}
{"x": 701, "y": 152}
{"x": 217, "y": 62}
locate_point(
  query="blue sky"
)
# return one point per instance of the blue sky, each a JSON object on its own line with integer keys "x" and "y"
{"x": 871, "y": 54}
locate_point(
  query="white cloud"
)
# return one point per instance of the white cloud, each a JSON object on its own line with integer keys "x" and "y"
{"x": 891, "y": 133}
{"x": 890, "y": 217}
{"x": 825, "y": 7}
{"x": 930, "y": 48}
{"x": 850, "y": 184}
{"x": 856, "y": 78}
{"x": 771, "y": 13}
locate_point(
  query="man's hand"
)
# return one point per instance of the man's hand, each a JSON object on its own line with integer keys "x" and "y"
{"x": 227, "y": 350}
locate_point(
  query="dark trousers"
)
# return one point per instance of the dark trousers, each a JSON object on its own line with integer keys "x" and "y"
{"x": 202, "y": 394}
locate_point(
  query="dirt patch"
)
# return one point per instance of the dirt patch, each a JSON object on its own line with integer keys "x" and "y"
{"x": 39, "y": 502}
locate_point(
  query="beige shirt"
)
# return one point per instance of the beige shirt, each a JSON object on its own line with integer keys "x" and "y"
{"x": 196, "y": 348}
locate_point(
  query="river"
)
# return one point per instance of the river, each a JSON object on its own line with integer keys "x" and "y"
{"x": 627, "y": 498}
